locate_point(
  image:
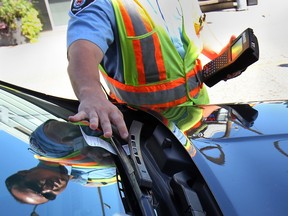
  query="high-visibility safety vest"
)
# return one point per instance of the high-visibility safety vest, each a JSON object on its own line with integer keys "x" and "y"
{"x": 77, "y": 160}
{"x": 73, "y": 159}
{"x": 155, "y": 75}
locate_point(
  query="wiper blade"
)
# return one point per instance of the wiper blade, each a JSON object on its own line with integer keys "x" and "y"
{"x": 142, "y": 175}
{"x": 143, "y": 200}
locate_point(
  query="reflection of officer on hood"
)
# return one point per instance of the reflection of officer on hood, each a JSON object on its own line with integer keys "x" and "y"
{"x": 194, "y": 120}
{"x": 39, "y": 184}
{"x": 179, "y": 120}
{"x": 63, "y": 143}
{"x": 63, "y": 156}
{"x": 189, "y": 119}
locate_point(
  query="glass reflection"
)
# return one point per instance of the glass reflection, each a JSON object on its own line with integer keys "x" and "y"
{"x": 192, "y": 121}
{"x": 67, "y": 152}
{"x": 282, "y": 147}
{"x": 63, "y": 156}
{"x": 208, "y": 121}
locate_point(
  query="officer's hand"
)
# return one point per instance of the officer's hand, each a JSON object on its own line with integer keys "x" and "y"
{"x": 101, "y": 113}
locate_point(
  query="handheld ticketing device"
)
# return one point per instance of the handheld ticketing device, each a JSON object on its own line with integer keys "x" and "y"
{"x": 243, "y": 52}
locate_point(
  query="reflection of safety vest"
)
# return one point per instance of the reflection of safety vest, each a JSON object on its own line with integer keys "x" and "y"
{"x": 78, "y": 160}
{"x": 155, "y": 75}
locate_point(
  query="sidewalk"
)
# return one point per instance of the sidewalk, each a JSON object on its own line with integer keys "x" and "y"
{"x": 42, "y": 66}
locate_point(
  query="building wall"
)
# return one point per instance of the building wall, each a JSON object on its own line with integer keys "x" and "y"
{"x": 59, "y": 11}
{"x": 53, "y": 13}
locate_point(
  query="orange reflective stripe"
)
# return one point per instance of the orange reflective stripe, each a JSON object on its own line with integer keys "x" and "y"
{"x": 156, "y": 106}
{"x": 127, "y": 20}
{"x": 150, "y": 88}
{"x": 68, "y": 161}
{"x": 134, "y": 23}
{"x": 139, "y": 62}
{"x": 158, "y": 53}
{"x": 140, "y": 68}
{"x": 159, "y": 59}
{"x": 136, "y": 43}
{"x": 182, "y": 100}
{"x": 147, "y": 81}
{"x": 159, "y": 95}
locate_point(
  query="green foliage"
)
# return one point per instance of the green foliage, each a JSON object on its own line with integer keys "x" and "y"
{"x": 24, "y": 11}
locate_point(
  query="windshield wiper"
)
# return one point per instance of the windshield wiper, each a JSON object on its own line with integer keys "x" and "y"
{"x": 132, "y": 176}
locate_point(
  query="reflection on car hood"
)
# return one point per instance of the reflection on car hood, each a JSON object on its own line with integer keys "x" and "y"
{"x": 20, "y": 115}
{"x": 241, "y": 152}
{"x": 246, "y": 167}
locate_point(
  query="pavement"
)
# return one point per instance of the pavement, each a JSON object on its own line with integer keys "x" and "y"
{"x": 42, "y": 66}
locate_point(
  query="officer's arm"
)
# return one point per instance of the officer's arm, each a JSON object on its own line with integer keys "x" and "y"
{"x": 84, "y": 58}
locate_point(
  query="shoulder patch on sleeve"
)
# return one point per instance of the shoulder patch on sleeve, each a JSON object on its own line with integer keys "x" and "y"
{"x": 79, "y": 5}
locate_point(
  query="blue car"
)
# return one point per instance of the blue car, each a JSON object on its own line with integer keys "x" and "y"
{"x": 221, "y": 159}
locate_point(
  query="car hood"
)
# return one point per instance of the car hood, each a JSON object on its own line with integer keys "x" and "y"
{"x": 245, "y": 163}
{"x": 240, "y": 151}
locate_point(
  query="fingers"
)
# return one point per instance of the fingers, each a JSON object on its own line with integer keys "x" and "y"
{"x": 116, "y": 119}
{"x": 93, "y": 120}
{"x": 105, "y": 124}
{"x": 105, "y": 118}
{"x": 81, "y": 115}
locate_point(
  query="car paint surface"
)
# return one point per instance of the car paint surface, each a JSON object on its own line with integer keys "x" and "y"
{"x": 244, "y": 163}
{"x": 246, "y": 168}
{"x": 18, "y": 118}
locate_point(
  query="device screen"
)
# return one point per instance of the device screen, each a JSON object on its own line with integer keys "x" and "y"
{"x": 237, "y": 48}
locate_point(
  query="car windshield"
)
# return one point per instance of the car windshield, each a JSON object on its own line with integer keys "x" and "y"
{"x": 19, "y": 118}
